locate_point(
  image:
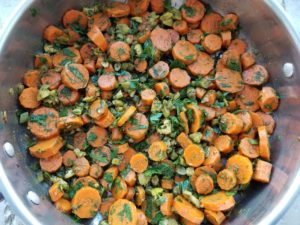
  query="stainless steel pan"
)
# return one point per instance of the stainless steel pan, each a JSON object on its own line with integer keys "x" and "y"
{"x": 263, "y": 22}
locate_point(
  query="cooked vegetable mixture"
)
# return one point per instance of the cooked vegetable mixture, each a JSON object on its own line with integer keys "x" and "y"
{"x": 148, "y": 114}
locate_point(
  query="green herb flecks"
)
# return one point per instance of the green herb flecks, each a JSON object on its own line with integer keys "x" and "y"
{"x": 77, "y": 73}
{"x": 33, "y": 12}
{"x": 125, "y": 213}
{"x": 190, "y": 11}
{"x": 68, "y": 52}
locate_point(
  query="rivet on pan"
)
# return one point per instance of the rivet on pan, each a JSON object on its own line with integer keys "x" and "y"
{"x": 33, "y": 197}
{"x": 9, "y": 149}
{"x": 288, "y": 69}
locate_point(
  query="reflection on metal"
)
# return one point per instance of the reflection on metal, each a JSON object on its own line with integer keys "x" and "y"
{"x": 9, "y": 149}
{"x": 33, "y": 197}
{"x": 288, "y": 70}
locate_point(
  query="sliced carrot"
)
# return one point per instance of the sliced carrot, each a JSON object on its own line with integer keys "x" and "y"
{"x": 91, "y": 90}
{"x": 158, "y": 151}
{"x": 186, "y": 210}
{"x": 162, "y": 89}
{"x": 167, "y": 184}
{"x": 218, "y": 202}
{"x": 161, "y": 39}
{"x": 119, "y": 188}
{"x": 28, "y": 98}
{"x": 231, "y": 124}
{"x": 209, "y": 111}
{"x": 141, "y": 107}
{"x": 216, "y": 218}
{"x": 95, "y": 171}
{"x": 268, "y": 100}
{"x": 116, "y": 134}
{"x": 86, "y": 202}
{"x": 121, "y": 147}
{"x": 63, "y": 205}
{"x": 119, "y": 51}
{"x": 248, "y": 98}
{"x": 141, "y": 217}
{"x": 194, "y": 155}
{"x": 179, "y": 78}
{"x": 209, "y": 98}
{"x": 105, "y": 205}
{"x": 43, "y": 123}
{"x": 75, "y": 76}
{"x": 107, "y": 82}
{"x": 56, "y": 192}
{"x": 204, "y": 184}
{"x": 148, "y": 96}
{"x": 67, "y": 96}
{"x": 247, "y": 120}
{"x": 185, "y": 52}
{"x": 96, "y": 36}
{"x": 51, "y": 78}
{"x": 256, "y": 120}
{"x": 174, "y": 36}
{"x": 262, "y": 171}
{"x": 117, "y": 9}
{"x": 126, "y": 158}
{"x": 69, "y": 158}
{"x": 70, "y": 54}
{"x": 264, "y": 145}
{"x": 102, "y": 155}
{"x": 209, "y": 134}
{"x": 212, "y": 43}
{"x": 248, "y": 148}
{"x": 181, "y": 27}
{"x": 97, "y": 136}
{"x": 211, "y": 23}
{"x": 124, "y": 212}
{"x": 183, "y": 140}
{"x": 79, "y": 140}
{"x": 51, "y": 33}
{"x": 86, "y": 182}
{"x": 73, "y": 16}
{"x": 224, "y": 143}
{"x": 101, "y": 20}
{"x": 202, "y": 66}
{"x": 139, "y": 162}
{"x": 268, "y": 121}
{"x": 226, "y": 38}
{"x": 43, "y": 59}
{"x": 184, "y": 120}
{"x": 239, "y": 45}
{"x": 166, "y": 207}
{"x": 242, "y": 167}
{"x": 193, "y": 11}
{"x": 69, "y": 122}
{"x": 229, "y": 80}
{"x": 98, "y": 109}
{"x": 157, "y": 6}
{"x": 247, "y": 60}
{"x": 200, "y": 92}
{"x": 81, "y": 167}
{"x": 159, "y": 71}
{"x": 229, "y": 22}
{"x": 111, "y": 173}
{"x": 140, "y": 65}
{"x": 226, "y": 179}
{"x": 32, "y": 78}
{"x": 140, "y": 195}
{"x": 197, "y": 116}
{"x": 106, "y": 120}
{"x": 138, "y": 7}
{"x": 213, "y": 158}
{"x": 87, "y": 51}
{"x": 194, "y": 36}
{"x": 51, "y": 164}
{"x": 139, "y": 128}
{"x": 130, "y": 178}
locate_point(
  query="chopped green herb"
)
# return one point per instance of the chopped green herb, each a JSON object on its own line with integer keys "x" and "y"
{"x": 33, "y": 12}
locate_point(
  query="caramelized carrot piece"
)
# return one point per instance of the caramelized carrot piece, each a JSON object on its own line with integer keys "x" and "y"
{"x": 101, "y": 20}
{"x": 161, "y": 39}
{"x": 119, "y": 51}
{"x": 75, "y": 76}
{"x": 63, "y": 205}
{"x": 56, "y": 192}
{"x": 262, "y": 171}
{"x": 106, "y": 120}
{"x": 97, "y": 37}
{"x": 229, "y": 80}
{"x": 229, "y": 22}
{"x": 98, "y": 109}
{"x": 138, "y": 7}
{"x": 194, "y": 36}
{"x": 204, "y": 184}
{"x": 69, "y": 158}
{"x": 194, "y": 155}
{"x": 97, "y": 136}
{"x": 158, "y": 151}
{"x": 248, "y": 98}
{"x": 242, "y": 167}
{"x": 239, "y": 45}
{"x": 122, "y": 211}
{"x": 268, "y": 100}
{"x": 185, "y": 209}
{"x": 202, "y": 66}
{"x": 139, "y": 162}
{"x": 192, "y": 11}
{"x": 218, "y": 202}
{"x": 216, "y": 218}
{"x": 51, "y": 33}
{"x": 248, "y": 148}
{"x": 264, "y": 145}
{"x": 185, "y": 52}
{"x": 148, "y": 96}
{"x": 28, "y": 98}
{"x": 181, "y": 27}
{"x": 212, "y": 43}
{"x": 211, "y": 23}
{"x": 159, "y": 71}
{"x": 73, "y": 16}
{"x": 157, "y": 6}
{"x": 179, "y": 78}
{"x": 231, "y": 124}
{"x": 86, "y": 202}
{"x": 107, "y": 82}
{"x": 51, "y": 164}
{"x": 226, "y": 179}
{"x": 166, "y": 207}
{"x": 183, "y": 140}
{"x": 119, "y": 188}
{"x": 32, "y": 78}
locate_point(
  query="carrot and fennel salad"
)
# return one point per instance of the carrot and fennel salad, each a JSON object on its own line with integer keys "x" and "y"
{"x": 146, "y": 113}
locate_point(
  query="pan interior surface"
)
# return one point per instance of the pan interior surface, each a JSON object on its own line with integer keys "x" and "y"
{"x": 268, "y": 35}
